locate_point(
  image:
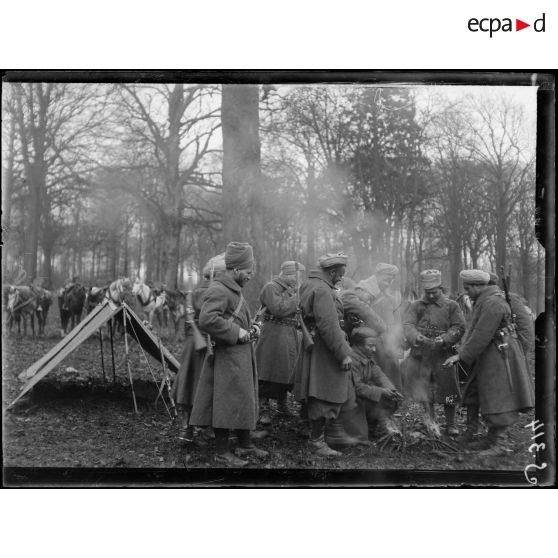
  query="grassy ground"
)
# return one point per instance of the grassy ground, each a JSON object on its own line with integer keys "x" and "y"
{"x": 73, "y": 418}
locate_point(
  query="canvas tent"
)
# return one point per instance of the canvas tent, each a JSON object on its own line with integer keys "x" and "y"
{"x": 98, "y": 317}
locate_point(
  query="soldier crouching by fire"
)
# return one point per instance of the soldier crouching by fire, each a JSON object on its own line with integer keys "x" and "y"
{"x": 376, "y": 396}
{"x": 498, "y": 371}
{"x": 227, "y": 394}
{"x": 432, "y": 326}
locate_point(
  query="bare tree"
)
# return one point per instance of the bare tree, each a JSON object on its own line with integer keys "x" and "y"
{"x": 498, "y": 144}
{"x": 168, "y": 138}
{"x": 242, "y": 178}
{"x": 55, "y": 125}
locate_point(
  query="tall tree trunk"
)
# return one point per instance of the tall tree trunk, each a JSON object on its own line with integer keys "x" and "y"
{"x": 311, "y": 219}
{"x": 242, "y": 179}
{"x": 7, "y": 187}
{"x": 173, "y": 230}
{"x": 125, "y": 258}
{"x": 140, "y": 246}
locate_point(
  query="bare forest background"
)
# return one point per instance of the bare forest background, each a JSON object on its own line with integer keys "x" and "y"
{"x": 102, "y": 181}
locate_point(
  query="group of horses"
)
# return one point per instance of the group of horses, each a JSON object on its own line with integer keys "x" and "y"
{"x": 26, "y": 302}
{"x": 156, "y": 306}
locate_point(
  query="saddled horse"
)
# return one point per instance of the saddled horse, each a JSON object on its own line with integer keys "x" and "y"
{"x": 152, "y": 303}
{"x": 22, "y": 303}
{"x": 70, "y": 303}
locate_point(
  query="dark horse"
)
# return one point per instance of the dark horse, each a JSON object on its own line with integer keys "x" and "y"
{"x": 44, "y": 300}
{"x": 70, "y": 303}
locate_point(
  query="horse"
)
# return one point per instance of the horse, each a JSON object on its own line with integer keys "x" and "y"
{"x": 22, "y": 303}
{"x": 94, "y": 297}
{"x": 176, "y": 302}
{"x": 70, "y": 303}
{"x": 151, "y": 303}
{"x": 44, "y": 300}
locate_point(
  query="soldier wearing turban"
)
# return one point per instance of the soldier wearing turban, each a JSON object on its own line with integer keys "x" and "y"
{"x": 432, "y": 325}
{"x": 279, "y": 344}
{"x": 497, "y": 365}
{"x": 191, "y": 361}
{"x": 323, "y": 378}
{"x": 227, "y": 394}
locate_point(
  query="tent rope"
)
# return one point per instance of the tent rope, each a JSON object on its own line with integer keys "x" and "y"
{"x": 150, "y": 370}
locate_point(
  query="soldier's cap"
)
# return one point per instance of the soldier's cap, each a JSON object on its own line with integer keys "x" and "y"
{"x": 359, "y": 334}
{"x": 289, "y": 267}
{"x": 430, "y": 278}
{"x": 239, "y": 255}
{"x": 474, "y": 276}
{"x": 386, "y": 269}
{"x": 332, "y": 260}
{"x": 217, "y": 263}
{"x": 494, "y": 279}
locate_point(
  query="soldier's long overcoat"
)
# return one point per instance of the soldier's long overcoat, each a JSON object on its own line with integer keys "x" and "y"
{"x": 279, "y": 343}
{"x": 425, "y": 380}
{"x": 321, "y": 375}
{"x": 479, "y": 351}
{"x": 191, "y": 361}
{"x": 227, "y": 394}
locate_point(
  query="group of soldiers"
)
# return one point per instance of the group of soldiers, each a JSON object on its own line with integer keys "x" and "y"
{"x": 350, "y": 356}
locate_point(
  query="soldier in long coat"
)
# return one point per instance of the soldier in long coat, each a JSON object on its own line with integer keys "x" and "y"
{"x": 432, "y": 325}
{"x": 279, "y": 343}
{"x": 376, "y": 397}
{"x": 375, "y": 292}
{"x": 524, "y": 324}
{"x": 323, "y": 379}
{"x": 227, "y": 394}
{"x": 492, "y": 352}
{"x": 191, "y": 361}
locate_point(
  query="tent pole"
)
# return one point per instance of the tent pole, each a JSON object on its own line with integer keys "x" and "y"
{"x": 112, "y": 352}
{"x": 166, "y": 381}
{"x": 128, "y": 359}
{"x": 102, "y": 355}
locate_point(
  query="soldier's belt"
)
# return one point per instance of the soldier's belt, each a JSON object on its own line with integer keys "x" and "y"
{"x": 290, "y": 322}
{"x": 311, "y": 326}
{"x": 431, "y": 331}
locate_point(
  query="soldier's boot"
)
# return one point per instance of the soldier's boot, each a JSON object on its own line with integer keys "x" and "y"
{"x": 497, "y": 442}
{"x": 451, "y": 429}
{"x": 472, "y": 428}
{"x": 223, "y": 455}
{"x": 317, "y": 444}
{"x": 185, "y": 431}
{"x": 246, "y": 447}
{"x": 337, "y": 437}
{"x": 265, "y": 417}
{"x": 283, "y": 407}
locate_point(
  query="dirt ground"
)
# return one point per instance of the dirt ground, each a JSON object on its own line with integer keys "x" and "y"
{"x": 74, "y": 418}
